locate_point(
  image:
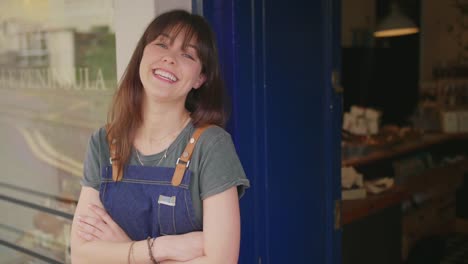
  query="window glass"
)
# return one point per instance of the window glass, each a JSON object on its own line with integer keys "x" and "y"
{"x": 57, "y": 77}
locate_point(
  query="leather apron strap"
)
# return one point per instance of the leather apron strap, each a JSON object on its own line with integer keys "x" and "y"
{"x": 117, "y": 173}
{"x": 184, "y": 160}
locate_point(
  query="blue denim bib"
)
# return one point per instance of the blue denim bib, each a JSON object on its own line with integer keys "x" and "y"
{"x": 145, "y": 203}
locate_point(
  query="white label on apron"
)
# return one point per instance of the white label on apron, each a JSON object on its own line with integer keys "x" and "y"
{"x": 170, "y": 201}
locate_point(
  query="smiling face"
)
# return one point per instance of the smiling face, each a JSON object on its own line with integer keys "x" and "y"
{"x": 169, "y": 69}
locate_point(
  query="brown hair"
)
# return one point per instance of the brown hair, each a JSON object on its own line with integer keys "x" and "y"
{"x": 206, "y": 104}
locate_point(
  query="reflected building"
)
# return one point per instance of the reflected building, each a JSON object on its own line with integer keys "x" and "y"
{"x": 57, "y": 76}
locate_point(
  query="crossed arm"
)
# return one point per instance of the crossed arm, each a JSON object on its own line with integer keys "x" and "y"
{"x": 96, "y": 238}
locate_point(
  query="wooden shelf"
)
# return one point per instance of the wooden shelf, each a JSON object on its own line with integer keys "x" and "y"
{"x": 355, "y": 209}
{"x": 435, "y": 180}
{"x": 403, "y": 148}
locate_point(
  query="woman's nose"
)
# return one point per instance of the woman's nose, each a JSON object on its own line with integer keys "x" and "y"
{"x": 169, "y": 58}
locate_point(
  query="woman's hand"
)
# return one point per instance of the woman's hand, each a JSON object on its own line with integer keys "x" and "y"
{"x": 179, "y": 247}
{"x": 100, "y": 226}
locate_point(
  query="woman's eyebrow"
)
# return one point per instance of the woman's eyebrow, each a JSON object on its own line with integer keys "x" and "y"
{"x": 164, "y": 36}
{"x": 195, "y": 47}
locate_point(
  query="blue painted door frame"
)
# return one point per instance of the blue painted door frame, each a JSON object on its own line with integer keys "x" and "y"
{"x": 277, "y": 59}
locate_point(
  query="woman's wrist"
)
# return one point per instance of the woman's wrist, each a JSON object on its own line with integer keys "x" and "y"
{"x": 140, "y": 253}
{"x": 159, "y": 248}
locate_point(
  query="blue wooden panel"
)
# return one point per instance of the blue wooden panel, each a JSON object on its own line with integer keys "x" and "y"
{"x": 235, "y": 49}
{"x": 332, "y": 29}
{"x": 295, "y": 105}
{"x": 277, "y": 59}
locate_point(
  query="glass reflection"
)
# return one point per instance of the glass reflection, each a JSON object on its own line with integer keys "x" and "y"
{"x": 57, "y": 76}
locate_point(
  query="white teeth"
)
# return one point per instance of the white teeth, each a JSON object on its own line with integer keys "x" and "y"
{"x": 165, "y": 74}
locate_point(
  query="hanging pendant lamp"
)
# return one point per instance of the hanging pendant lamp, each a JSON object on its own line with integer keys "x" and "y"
{"x": 395, "y": 24}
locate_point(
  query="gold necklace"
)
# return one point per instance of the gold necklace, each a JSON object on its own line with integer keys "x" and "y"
{"x": 159, "y": 162}
{"x": 165, "y": 152}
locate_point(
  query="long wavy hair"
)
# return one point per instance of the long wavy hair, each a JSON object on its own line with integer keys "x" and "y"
{"x": 206, "y": 104}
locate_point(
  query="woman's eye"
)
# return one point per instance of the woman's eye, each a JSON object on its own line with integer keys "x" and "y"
{"x": 162, "y": 45}
{"x": 186, "y": 55}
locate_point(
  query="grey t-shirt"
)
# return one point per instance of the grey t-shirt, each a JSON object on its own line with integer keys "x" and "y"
{"x": 215, "y": 166}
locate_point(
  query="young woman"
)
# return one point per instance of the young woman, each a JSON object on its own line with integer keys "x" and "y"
{"x": 162, "y": 180}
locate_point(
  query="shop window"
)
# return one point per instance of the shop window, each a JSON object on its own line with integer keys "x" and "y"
{"x": 57, "y": 76}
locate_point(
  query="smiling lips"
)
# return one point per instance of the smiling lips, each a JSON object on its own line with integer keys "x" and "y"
{"x": 167, "y": 76}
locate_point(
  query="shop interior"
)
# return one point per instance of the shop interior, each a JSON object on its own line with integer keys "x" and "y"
{"x": 405, "y": 131}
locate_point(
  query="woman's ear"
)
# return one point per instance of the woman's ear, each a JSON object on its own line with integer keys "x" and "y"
{"x": 201, "y": 80}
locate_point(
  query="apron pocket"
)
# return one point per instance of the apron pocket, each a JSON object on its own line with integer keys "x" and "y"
{"x": 166, "y": 215}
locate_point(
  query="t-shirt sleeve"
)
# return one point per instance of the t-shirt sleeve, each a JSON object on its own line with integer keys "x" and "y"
{"x": 221, "y": 168}
{"x": 91, "y": 166}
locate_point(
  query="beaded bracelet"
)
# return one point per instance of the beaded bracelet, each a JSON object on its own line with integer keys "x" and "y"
{"x": 150, "y": 252}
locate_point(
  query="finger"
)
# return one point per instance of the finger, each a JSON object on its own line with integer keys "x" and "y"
{"x": 99, "y": 211}
{"x": 83, "y": 226}
{"x": 92, "y": 221}
{"x": 102, "y": 214}
{"x": 86, "y": 236}
{"x": 85, "y": 231}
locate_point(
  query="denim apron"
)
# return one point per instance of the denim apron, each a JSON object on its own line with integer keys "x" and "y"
{"x": 146, "y": 202}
